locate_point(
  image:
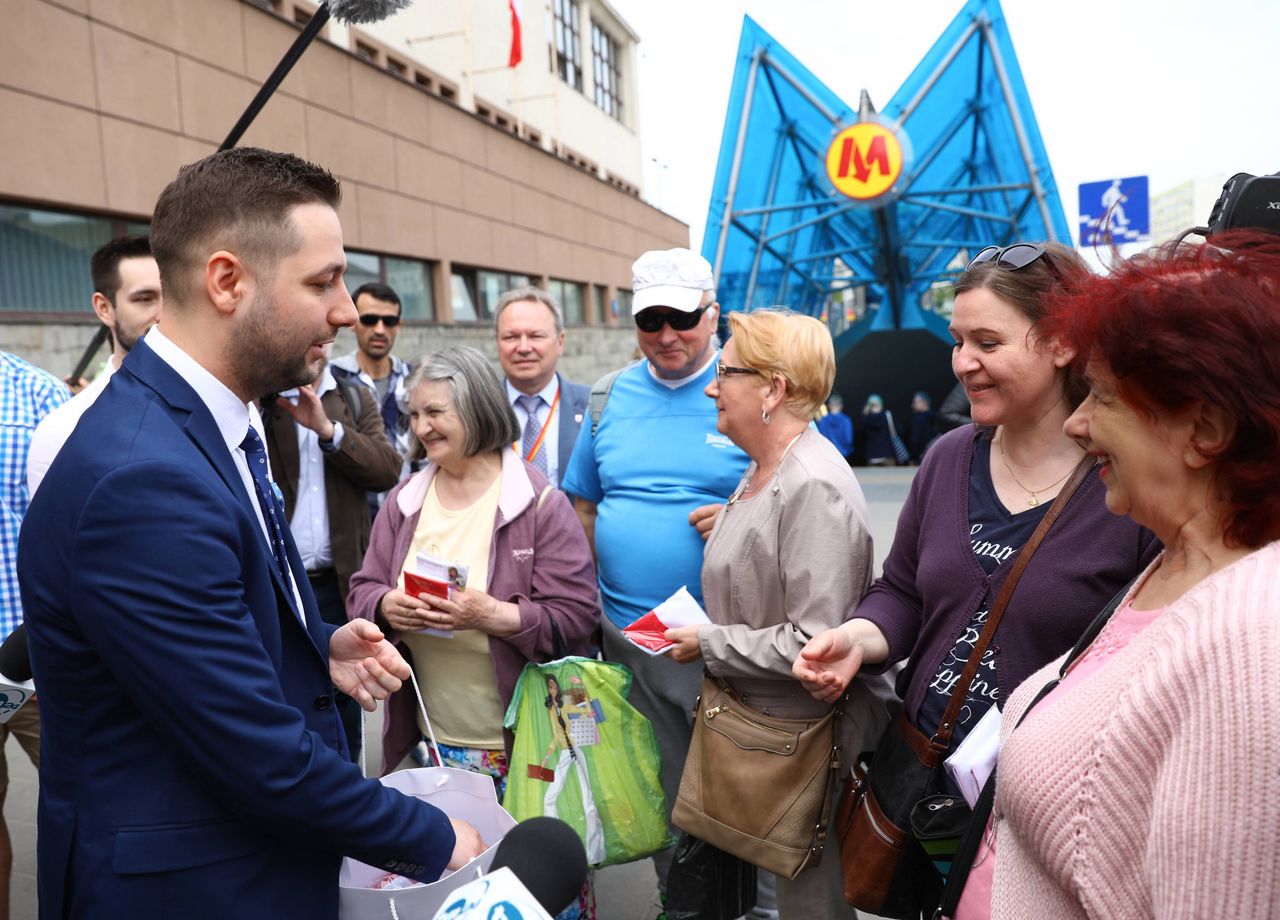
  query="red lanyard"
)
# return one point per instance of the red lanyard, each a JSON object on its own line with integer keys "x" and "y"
{"x": 533, "y": 451}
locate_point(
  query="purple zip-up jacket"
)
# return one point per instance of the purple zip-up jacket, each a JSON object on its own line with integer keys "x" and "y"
{"x": 933, "y": 583}
{"x": 539, "y": 560}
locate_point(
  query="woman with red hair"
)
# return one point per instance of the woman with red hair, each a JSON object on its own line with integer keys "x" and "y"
{"x": 1147, "y": 782}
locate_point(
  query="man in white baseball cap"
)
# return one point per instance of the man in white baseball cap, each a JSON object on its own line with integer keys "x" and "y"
{"x": 656, "y": 470}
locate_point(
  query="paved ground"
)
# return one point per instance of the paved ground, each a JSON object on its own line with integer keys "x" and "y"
{"x": 622, "y": 892}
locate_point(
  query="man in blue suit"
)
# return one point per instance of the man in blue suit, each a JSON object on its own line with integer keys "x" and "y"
{"x": 549, "y": 409}
{"x": 192, "y": 755}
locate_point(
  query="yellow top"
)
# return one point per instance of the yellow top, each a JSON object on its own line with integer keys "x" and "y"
{"x": 456, "y": 674}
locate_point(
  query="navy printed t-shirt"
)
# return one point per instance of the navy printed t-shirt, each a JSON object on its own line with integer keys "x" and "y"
{"x": 995, "y": 535}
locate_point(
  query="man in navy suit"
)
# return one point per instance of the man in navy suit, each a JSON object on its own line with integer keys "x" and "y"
{"x": 549, "y": 409}
{"x": 193, "y": 761}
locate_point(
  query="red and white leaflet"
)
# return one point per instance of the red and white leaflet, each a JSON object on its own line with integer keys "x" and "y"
{"x": 680, "y": 609}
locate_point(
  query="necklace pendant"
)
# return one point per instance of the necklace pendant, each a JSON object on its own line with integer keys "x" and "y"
{"x": 1033, "y": 502}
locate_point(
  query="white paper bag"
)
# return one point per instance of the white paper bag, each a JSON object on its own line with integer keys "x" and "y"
{"x": 459, "y": 794}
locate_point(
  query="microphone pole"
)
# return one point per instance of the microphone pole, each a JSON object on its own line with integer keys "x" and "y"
{"x": 300, "y": 44}
{"x": 348, "y": 10}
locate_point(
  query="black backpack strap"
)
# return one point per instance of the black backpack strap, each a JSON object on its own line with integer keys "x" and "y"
{"x": 599, "y": 395}
{"x": 350, "y": 391}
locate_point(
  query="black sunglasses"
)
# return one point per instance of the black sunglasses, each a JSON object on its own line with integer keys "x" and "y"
{"x": 389, "y": 320}
{"x": 1013, "y": 257}
{"x": 650, "y": 321}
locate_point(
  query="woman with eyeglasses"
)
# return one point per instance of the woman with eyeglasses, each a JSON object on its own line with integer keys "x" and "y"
{"x": 980, "y": 493}
{"x": 790, "y": 552}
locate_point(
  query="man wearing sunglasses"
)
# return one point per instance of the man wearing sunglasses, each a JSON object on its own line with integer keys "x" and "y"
{"x": 652, "y": 469}
{"x": 373, "y": 364}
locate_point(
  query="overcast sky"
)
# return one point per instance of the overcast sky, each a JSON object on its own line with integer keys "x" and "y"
{"x": 1176, "y": 89}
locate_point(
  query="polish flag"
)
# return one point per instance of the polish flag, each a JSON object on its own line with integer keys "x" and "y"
{"x": 516, "y": 46}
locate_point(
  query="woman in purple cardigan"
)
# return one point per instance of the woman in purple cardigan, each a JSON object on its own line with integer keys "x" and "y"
{"x": 978, "y": 496}
{"x": 477, "y": 503}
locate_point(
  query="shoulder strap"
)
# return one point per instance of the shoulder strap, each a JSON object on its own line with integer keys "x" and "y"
{"x": 599, "y": 395}
{"x": 350, "y": 395}
{"x": 942, "y": 738}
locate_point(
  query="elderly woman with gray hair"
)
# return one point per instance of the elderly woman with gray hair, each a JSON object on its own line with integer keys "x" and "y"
{"x": 476, "y": 502}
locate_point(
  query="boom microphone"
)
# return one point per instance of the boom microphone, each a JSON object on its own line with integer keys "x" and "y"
{"x": 346, "y": 11}
{"x": 349, "y": 11}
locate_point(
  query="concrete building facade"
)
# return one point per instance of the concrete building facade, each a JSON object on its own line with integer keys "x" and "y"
{"x": 107, "y": 98}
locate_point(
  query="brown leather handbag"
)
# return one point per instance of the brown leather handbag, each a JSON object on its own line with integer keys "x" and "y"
{"x": 885, "y": 870}
{"x": 757, "y": 786}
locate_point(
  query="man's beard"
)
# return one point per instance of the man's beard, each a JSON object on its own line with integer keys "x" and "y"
{"x": 264, "y": 358}
{"x": 125, "y": 340}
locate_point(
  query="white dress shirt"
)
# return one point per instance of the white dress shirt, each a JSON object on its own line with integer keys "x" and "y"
{"x": 310, "y": 521}
{"x": 233, "y": 418}
{"x": 56, "y": 427}
{"x": 551, "y": 441}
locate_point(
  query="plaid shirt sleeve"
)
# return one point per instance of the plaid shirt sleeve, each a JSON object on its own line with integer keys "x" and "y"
{"x": 27, "y": 394}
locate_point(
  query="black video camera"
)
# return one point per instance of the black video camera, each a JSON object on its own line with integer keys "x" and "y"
{"x": 1247, "y": 202}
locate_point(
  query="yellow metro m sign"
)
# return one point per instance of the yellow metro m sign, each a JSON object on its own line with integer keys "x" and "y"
{"x": 865, "y": 160}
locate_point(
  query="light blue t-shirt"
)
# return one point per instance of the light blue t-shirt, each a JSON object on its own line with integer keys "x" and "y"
{"x": 655, "y": 457}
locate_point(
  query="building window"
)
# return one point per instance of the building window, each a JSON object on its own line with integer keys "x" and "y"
{"x": 565, "y": 46}
{"x": 569, "y": 295}
{"x": 398, "y": 68}
{"x": 410, "y": 278}
{"x": 366, "y": 52}
{"x": 599, "y": 304}
{"x": 46, "y": 255}
{"x": 622, "y": 303}
{"x": 607, "y": 70}
{"x": 475, "y": 291}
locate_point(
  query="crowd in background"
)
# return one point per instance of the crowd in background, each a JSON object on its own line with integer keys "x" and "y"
{"x": 229, "y": 492}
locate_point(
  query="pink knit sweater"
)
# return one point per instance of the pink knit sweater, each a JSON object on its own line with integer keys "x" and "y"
{"x": 1152, "y": 789}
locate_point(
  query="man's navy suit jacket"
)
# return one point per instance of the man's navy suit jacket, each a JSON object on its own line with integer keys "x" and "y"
{"x": 574, "y": 398}
{"x": 192, "y": 761}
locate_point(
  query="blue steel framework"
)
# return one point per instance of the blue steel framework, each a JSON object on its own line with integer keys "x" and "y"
{"x": 779, "y": 233}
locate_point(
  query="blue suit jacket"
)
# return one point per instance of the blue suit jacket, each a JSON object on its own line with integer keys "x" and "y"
{"x": 573, "y": 411}
{"x": 192, "y": 760}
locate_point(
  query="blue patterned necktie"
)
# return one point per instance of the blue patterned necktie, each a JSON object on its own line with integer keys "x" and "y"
{"x": 532, "y": 429}
{"x": 256, "y": 454}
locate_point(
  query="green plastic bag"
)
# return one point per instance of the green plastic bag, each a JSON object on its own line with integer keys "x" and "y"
{"x": 583, "y": 754}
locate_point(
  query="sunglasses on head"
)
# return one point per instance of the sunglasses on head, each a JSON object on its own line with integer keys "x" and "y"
{"x": 651, "y": 321}
{"x": 1013, "y": 257}
{"x": 372, "y": 319}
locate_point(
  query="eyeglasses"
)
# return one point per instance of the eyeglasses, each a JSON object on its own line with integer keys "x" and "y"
{"x": 649, "y": 321}
{"x": 1013, "y": 257}
{"x": 726, "y": 370}
{"x": 389, "y": 320}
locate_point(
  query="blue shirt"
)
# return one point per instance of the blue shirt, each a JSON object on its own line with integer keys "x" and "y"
{"x": 655, "y": 457}
{"x": 837, "y": 428}
{"x": 27, "y": 394}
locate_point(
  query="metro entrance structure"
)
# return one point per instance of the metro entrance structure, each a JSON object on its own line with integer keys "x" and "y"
{"x": 810, "y": 208}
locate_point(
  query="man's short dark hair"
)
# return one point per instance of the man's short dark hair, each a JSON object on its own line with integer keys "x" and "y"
{"x": 238, "y": 200}
{"x": 104, "y": 265}
{"x": 378, "y": 291}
